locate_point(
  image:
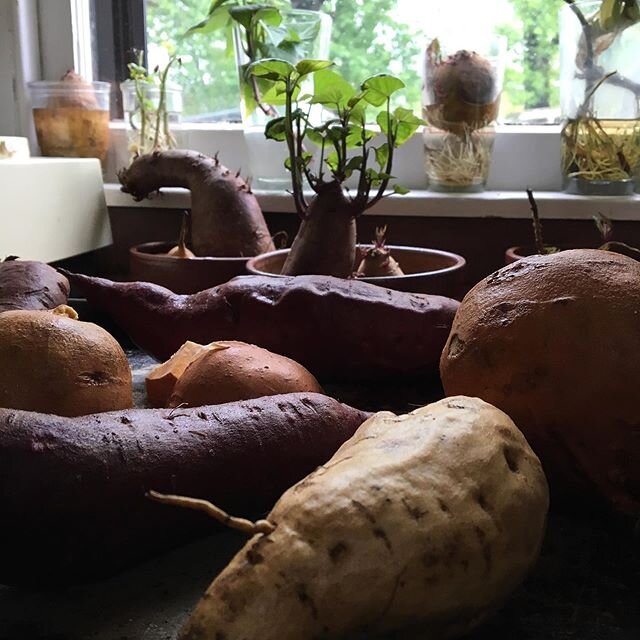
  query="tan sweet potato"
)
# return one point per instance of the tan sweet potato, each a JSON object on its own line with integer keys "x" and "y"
{"x": 234, "y": 370}
{"x": 420, "y": 526}
{"x": 54, "y": 363}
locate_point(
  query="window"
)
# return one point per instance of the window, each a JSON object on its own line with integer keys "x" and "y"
{"x": 368, "y": 36}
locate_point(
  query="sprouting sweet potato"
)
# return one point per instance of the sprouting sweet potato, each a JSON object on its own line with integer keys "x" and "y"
{"x": 420, "y": 526}
{"x": 335, "y": 328}
{"x": 25, "y": 284}
{"x": 226, "y": 219}
{"x": 72, "y": 490}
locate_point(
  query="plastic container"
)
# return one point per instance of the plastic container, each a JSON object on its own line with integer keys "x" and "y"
{"x": 152, "y": 118}
{"x": 71, "y": 118}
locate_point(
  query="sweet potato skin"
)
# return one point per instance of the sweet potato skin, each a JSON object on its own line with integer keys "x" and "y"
{"x": 419, "y": 527}
{"x": 226, "y": 219}
{"x": 72, "y": 490}
{"x": 337, "y": 329}
{"x": 26, "y": 284}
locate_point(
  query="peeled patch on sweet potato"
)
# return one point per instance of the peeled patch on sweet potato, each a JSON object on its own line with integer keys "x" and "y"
{"x": 26, "y": 284}
{"x": 420, "y": 526}
{"x": 234, "y": 370}
{"x": 162, "y": 380}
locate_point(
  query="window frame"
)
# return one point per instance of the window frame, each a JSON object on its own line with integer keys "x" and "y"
{"x": 524, "y": 156}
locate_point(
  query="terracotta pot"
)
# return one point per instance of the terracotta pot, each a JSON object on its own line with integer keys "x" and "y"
{"x": 426, "y": 270}
{"x": 513, "y": 254}
{"x": 181, "y": 275}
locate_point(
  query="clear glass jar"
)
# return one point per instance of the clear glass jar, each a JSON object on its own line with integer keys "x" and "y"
{"x": 152, "y": 116}
{"x": 267, "y": 157}
{"x": 461, "y": 99}
{"x": 71, "y": 118}
{"x": 600, "y": 100}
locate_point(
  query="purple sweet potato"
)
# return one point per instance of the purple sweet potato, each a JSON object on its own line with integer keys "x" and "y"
{"x": 73, "y": 490}
{"x": 25, "y": 284}
{"x": 338, "y": 329}
{"x": 226, "y": 219}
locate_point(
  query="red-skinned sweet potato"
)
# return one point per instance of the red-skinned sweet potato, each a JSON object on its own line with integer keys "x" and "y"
{"x": 72, "y": 490}
{"x": 226, "y": 219}
{"x": 25, "y": 284}
{"x": 338, "y": 329}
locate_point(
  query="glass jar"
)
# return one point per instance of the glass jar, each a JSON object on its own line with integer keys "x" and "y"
{"x": 71, "y": 118}
{"x": 267, "y": 157}
{"x": 461, "y": 100}
{"x": 600, "y": 100}
{"x": 152, "y": 116}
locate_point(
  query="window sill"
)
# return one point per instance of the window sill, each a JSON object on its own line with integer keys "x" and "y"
{"x": 423, "y": 203}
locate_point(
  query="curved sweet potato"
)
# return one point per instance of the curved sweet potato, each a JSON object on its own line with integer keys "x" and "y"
{"x": 72, "y": 490}
{"x": 25, "y": 284}
{"x": 419, "y": 527}
{"x": 336, "y": 328}
{"x": 226, "y": 219}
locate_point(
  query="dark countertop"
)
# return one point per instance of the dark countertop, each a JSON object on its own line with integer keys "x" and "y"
{"x": 585, "y": 587}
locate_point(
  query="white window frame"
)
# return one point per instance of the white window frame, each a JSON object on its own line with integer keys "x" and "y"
{"x": 524, "y": 156}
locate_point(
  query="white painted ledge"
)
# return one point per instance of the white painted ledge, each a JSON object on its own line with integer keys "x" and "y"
{"x": 421, "y": 203}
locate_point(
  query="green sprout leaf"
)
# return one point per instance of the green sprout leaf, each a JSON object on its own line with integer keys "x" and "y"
{"x": 272, "y": 69}
{"x": 382, "y": 155}
{"x": 333, "y": 161}
{"x": 378, "y": 89}
{"x": 401, "y": 191}
{"x": 407, "y": 125}
{"x": 354, "y": 164}
{"x": 276, "y": 129}
{"x": 305, "y": 67}
{"x": 217, "y": 20}
{"x": 331, "y": 89}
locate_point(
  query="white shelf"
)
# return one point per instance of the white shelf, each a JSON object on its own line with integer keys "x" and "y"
{"x": 419, "y": 203}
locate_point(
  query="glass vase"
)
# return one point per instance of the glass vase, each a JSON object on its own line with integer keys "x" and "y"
{"x": 461, "y": 100}
{"x": 600, "y": 98}
{"x": 267, "y": 157}
{"x": 152, "y": 117}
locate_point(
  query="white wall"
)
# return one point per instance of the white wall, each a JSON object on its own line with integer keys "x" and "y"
{"x": 36, "y": 43}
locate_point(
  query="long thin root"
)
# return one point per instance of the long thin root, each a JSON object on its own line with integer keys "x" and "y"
{"x": 240, "y": 524}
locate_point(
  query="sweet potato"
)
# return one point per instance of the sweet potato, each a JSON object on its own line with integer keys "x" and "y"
{"x": 239, "y": 371}
{"x": 72, "y": 490}
{"x": 335, "y": 328}
{"x": 554, "y": 341}
{"x": 25, "y": 284}
{"x": 162, "y": 380}
{"x": 226, "y": 219}
{"x": 420, "y": 526}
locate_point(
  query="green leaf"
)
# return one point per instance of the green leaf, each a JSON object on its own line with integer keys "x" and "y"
{"x": 315, "y": 136}
{"x": 276, "y": 129}
{"x": 215, "y": 21}
{"x": 307, "y": 157}
{"x": 272, "y": 69}
{"x": 331, "y": 89}
{"x": 305, "y": 67}
{"x": 354, "y": 164}
{"x": 381, "y": 87}
{"x": 384, "y": 118}
{"x": 382, "y": 155}
{"x": 401, "y": 191}
{"x": 250, "y": 14}
{"x": 407, "y": 125}
{"x": 332, "y": 161}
